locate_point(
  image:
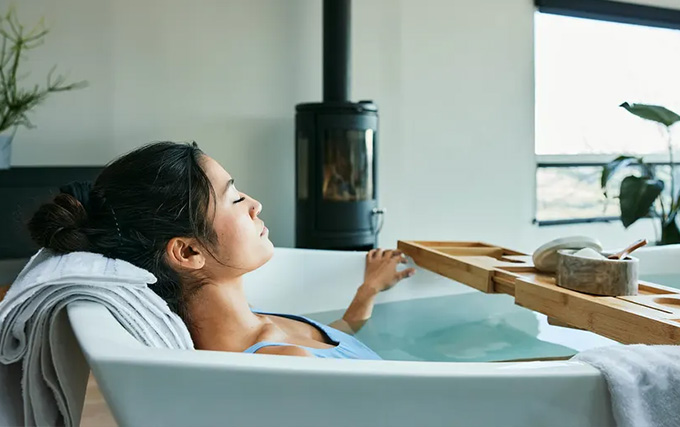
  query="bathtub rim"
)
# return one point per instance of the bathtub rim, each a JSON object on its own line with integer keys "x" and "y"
{"x": 117, "y": 346}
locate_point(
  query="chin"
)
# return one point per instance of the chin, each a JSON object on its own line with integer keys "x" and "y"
{"x": 268, "y": 251}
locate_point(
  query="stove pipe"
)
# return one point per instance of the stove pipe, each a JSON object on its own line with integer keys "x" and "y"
{"x": 337, "y": 62}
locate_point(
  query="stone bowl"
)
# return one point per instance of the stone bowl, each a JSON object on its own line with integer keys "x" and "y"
{"x": 597, "y": 276}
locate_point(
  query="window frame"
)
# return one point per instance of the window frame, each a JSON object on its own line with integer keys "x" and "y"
{"x": 613, "y": 11}
{"x": 608, "y": 11}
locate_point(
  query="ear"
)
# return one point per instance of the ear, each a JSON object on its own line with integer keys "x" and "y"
{"x": 186, "y": 253}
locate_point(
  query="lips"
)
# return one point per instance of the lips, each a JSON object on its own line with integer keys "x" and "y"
{"x": 264, "y": 230}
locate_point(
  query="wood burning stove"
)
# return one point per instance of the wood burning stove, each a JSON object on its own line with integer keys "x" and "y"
{"x": 336, "y": 146}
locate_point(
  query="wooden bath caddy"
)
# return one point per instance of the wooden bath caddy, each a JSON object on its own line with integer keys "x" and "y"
{"x": 651, "y": 317}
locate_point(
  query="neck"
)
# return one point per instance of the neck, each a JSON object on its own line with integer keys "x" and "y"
{"x": 220, "y": 314}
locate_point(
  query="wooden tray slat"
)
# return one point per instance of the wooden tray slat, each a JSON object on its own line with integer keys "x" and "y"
{"x": 611, "y": 317}
{"x": 469, "y": 273}
{"x": 652, "y": 317}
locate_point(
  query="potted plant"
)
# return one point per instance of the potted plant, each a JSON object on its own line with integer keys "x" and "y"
{"x": 640, "y": 195}
{"x": 17, "y": 102}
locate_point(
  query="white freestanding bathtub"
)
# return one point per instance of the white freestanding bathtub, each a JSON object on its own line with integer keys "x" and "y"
{"x": 145, "y": 386}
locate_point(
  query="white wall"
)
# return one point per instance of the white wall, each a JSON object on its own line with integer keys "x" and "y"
{"x": 224, "y": 73}
{"x": 459, "y": 160}
{"x": 453, "y": 80}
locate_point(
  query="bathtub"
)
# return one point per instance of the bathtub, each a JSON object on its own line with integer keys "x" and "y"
{"x": 146, "y": 386}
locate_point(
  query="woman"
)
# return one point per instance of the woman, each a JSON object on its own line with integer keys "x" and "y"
{"x": 172, "y": 210}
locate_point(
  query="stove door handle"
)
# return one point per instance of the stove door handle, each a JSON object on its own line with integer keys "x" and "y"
{"x": 380, "y": 213}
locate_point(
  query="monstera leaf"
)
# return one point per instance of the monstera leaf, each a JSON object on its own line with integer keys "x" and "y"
{"x": 619, "y": 163}
{"x": 669, "y": 231}
{"x": 637, "y": 197}
{"x": 655, "y": 113}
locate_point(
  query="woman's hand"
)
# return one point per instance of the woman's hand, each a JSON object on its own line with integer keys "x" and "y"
{"x": 381, "y": 269}
{"x": 381, "y": 274}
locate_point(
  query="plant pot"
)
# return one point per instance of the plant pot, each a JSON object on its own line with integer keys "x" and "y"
{"x": 670, "y": 233}
{"x": 6, "y": 149}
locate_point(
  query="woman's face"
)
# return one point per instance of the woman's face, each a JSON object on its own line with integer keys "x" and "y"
{"x": 242, "y": 239}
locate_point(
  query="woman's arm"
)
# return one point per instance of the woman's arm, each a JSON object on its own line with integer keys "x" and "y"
{"x": 381, "y": 274}
{"x": 358, "y": 312}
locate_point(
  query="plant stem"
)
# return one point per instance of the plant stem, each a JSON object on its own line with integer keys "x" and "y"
{"x": 674, "y": 203}
{"x": 657, "y": 231}
{"x": 663, "y": 210}
{"x": 17, "y": 102}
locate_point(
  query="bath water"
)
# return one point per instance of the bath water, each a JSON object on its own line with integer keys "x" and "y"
{"x": 472, "y": 327}
{"x": 672, "y": 280}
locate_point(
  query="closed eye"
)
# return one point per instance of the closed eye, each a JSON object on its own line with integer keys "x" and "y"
{"x": 240, "y": 200}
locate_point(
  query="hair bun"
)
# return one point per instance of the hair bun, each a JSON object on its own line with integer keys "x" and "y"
{"x": 80, "y": 190}
{"x": 60, "y": 224}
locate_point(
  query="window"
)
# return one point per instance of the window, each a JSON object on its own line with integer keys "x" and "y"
{"x": 585, "y": 68}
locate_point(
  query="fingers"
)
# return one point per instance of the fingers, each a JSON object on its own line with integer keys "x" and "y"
{"x": 396, "y": 253}
{"x": 391, "y": 253}
{"x": 398, "y": 256}
{"x": 376, "y": 253}
{"x": 386, "y": 254}
{"x": 406, "y": 273}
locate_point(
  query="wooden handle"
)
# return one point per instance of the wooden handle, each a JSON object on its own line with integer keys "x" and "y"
{"x": 622, "y": 254}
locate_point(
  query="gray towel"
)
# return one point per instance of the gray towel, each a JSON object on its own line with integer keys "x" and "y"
{"x": 644, "y": 382}
{"x": 42, "y": 371}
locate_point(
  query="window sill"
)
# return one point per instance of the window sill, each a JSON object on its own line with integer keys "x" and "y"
{"x": 571, "y": 221}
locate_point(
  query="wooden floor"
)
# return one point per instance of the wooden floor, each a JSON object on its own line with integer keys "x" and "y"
{"x": 96, "y": 413}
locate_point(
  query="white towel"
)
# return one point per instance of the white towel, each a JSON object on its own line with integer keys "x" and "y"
{"x": 41, "y": 367}
{"x": 644, "y": 382}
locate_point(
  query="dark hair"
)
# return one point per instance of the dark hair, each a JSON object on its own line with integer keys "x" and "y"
{"x": 137, "y": 204}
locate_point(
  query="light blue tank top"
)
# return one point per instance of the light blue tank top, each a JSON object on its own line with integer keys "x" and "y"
{"x": 346, "y": 346}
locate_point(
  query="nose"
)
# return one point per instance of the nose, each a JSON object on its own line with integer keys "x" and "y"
{"x": 255, "y": 208}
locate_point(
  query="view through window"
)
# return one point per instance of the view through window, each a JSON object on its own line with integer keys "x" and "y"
{"x": 584, "y": 70}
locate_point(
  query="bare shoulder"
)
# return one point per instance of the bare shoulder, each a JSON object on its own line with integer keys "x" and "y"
{"x": 285, "y": 350}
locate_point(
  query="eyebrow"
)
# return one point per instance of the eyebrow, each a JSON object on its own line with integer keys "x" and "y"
{"x": 229, "y": 184}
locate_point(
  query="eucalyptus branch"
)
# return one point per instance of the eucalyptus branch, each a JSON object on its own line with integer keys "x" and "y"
{"x": 15, "y": 102}
{"x": 19, "y": 45}
{"x": 11, "y": 18}
{"x": 4, "y": 57}
{"x": 3, "y": 79}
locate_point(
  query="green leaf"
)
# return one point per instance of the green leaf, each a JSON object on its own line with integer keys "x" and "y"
{"x": 637, "y": 197}
{"x": 669, "y": 232}
{"x": 654, "y": 113}
{"x": 618, "y": 163}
